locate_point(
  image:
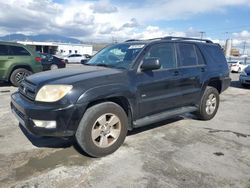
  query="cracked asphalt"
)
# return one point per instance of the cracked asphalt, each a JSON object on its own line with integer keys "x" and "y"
{"x": 180, "y": 152}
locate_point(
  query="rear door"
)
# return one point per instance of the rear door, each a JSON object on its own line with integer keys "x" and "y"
{"x": 192, "y": 68}
{"x": 4, "y": 61}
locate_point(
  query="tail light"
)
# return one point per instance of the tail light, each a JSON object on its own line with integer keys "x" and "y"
{"x": 38, "y": 59}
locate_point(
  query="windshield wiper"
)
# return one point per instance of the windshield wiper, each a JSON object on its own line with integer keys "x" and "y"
{"x": 102, "y": 65}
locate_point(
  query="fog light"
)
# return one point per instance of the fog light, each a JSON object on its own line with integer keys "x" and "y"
{"x": 45, "y": 124}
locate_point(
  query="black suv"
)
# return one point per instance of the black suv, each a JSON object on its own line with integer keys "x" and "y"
{"x": 124, "y": 86}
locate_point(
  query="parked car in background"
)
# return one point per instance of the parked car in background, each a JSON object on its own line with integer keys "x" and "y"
{"x": 17, "y": 61}
{"x": 88, "y": 57}
{"x": 124, "y": 86}
{"x": 245, "y": 76}
{"x": 236, "y": 66}
{"x": 74, "y": 58}
{"x": 50, "y": 62}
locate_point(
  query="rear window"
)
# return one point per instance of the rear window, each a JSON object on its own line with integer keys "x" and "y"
{"x": 3, "y": 50}
{"x": 19, "y": 51}
{"x": 187, "y": 54}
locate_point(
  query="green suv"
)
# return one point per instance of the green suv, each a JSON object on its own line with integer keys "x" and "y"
{"x": 17, "y": 61}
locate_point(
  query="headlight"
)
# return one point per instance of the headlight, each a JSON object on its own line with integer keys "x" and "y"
{"x": 52, "y": 93}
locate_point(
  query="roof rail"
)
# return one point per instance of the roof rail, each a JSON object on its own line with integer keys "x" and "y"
{"x": 132, "y": 40}
{"x": 185, "y": 38}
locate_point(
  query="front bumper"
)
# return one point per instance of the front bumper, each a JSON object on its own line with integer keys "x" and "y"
{"x": 245, "y": 79}
{"x": 67, "y": 117}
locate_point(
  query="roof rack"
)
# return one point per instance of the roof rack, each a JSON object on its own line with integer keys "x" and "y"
{"x": 185, "y": 38}
{"x": 132, "y": 40}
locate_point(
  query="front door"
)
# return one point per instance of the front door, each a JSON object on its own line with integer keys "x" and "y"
{"x": 158, "y": 89}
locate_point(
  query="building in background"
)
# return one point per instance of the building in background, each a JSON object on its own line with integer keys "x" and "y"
{"x": 59, "y": 48}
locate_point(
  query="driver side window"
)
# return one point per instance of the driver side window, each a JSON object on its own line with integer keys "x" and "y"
{"x": 165, "y": 52}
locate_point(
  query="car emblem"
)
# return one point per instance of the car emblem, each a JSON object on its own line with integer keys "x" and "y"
{"x": 24, "y": 90}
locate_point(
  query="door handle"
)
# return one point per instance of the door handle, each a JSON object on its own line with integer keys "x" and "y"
{"x": 176, "y": 73}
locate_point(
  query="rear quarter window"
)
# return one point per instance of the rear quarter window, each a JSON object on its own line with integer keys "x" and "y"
{"x": 18, "y": 51}
{"x": 215, "y": 53}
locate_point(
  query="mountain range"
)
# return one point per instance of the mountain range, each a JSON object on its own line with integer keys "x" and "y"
{"x": 39, "y": 38}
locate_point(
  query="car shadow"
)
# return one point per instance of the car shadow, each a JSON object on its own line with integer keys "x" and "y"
{"x": 154, "y": 125}
{"x": 53, "y": 142}
{"x": 49, "y": 142}
{"x": 5, "y": 84}
{"x": 237, "y": 84}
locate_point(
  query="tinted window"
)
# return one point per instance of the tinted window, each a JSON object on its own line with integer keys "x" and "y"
{"x": 215, "y": 53}
{"x": 165, "y": 53}
{"x": 78, "y": 55}
{"x": 199, "y": 56}
{"x": 187, "y": 54}
{"x": 17, "y": 50}
{"x": 3, "y": 50}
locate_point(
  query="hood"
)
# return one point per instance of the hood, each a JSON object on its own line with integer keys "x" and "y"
{"x": 70, "y": 75}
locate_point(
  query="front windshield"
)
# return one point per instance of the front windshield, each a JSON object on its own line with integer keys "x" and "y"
{"x": 117, "y": 56}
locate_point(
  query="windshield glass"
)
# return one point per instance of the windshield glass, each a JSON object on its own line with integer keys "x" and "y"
{"x": 117, "y": 56}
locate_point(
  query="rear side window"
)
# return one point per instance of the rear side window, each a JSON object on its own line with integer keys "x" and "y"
{"x": 165, "y": 52}
{"x": 3, "y": 50}
{"x": 187, "y": 54}
{"x": 18, "y": 50}
{"x": 215, "y": 53}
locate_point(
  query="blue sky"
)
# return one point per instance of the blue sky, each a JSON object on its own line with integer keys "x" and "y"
{"x": 106, "y": 20}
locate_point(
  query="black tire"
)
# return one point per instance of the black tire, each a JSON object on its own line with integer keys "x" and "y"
{"x": 53, "y": 67}
{"x": 18, "y": 75}
{"x": 244, "y": 85}
{"x": 88, "y": 122}
{"x": 205, "y": 112}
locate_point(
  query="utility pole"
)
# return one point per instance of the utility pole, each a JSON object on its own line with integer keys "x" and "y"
{"x": 202, "y": 33}
{"x": 244, "y": 47}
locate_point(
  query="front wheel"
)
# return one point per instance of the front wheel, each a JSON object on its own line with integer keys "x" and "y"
{"x": 102, "y": 129}
{"x": 209, "y": 104}
{"x": 18, "y": 75}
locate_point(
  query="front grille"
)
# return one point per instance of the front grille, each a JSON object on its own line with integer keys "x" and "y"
{"x": 28, "y": 90}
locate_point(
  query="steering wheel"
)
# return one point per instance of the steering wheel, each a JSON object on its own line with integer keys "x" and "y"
{"x": 112, "y": 58}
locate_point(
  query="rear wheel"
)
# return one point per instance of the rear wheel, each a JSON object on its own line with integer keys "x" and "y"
{"x": 102, "y": 129}
{"x": 209, "y": 104}
{"x": 18, "y": 75}
{"x": 53, "y": 66}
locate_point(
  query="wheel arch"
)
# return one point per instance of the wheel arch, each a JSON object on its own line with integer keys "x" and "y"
{"x": 119, "y": 100}
{"x": 24, "y": 66}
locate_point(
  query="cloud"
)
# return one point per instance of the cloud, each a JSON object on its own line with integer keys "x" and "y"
{"x": 103, "y": 7}
{"x": 132, "y": 23}
{"x": 242, "y": 35}
{"x": 105, "y": 19}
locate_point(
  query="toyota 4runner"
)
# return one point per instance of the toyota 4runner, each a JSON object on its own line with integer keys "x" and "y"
{"x": 124, "y": 86}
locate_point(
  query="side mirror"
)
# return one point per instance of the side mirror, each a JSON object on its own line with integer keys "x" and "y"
{"x": 151, "y": 63}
